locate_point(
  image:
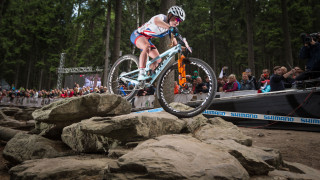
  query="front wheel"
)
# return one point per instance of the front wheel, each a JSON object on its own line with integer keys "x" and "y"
{"x": 195, "y": 96}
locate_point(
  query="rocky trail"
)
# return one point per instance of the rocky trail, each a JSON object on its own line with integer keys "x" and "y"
{"x": 96, "y": 137}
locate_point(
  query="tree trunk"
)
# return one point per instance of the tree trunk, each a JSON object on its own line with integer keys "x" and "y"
{"x": 76, "y": 37}
{"x": 287, "y": 37}
{"x": 213, "y": 42}
{"x": 16, "y": 79}
{"x": 2, "y": 8}
{"x": 163, "y": 46}
{"x": 107, "y": 41}
{"x": 249, "y": 19}
{"x": 137, "y": 15}
{"x": 143, "y": 3}
{"x": 117, "y": 32}
{"x": 49, "y": 81}
{"x": 28, "y": 75}
{"x": 40, "y": 81}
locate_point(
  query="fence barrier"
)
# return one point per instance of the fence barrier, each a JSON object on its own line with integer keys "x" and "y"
{"x": 139, "y": 102}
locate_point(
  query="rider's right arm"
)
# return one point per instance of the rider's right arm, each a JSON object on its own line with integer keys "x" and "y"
{"x": 159, "y": 22}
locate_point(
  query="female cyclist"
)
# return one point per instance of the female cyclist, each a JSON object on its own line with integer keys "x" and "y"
{"x": 158, "y": 26}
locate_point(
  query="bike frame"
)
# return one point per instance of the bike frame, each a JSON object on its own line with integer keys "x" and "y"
{"x": 170, "y": 53}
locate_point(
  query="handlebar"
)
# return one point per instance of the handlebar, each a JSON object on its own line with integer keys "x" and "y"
{"x": 183, "y": 41}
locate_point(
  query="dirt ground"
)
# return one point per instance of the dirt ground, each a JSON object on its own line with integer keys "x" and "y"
{"x": 295, "y": 146}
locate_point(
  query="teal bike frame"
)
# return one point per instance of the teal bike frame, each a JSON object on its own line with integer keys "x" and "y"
{"x": 169, "y": 53}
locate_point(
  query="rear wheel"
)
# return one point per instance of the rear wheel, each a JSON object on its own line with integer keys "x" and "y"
{"x": 192, "y": 99}
{"x": 122, "y": 86}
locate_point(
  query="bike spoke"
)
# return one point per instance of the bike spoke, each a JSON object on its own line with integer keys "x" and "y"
{"x": 195, "y": 96}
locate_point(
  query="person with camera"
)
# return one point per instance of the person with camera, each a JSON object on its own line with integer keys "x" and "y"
{"x": 297, "y": 72}
{"x": 264, "y": 76}
{"x": 278, "y": 77}
{"x": 310, "y": 51}
{"x": 289, "y": 81}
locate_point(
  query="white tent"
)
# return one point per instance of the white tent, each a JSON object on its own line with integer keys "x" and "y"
{"x": 4, "y": 84}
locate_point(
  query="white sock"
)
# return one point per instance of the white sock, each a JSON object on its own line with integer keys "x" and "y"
{"x": 142, "y": 71}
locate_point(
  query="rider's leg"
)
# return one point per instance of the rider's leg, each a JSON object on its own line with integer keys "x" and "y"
{"x": 143, "y": 44}
{"x": 154, "y": 53}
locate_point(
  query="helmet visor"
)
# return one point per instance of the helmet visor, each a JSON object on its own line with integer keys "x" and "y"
{"x": 178, "y": 20}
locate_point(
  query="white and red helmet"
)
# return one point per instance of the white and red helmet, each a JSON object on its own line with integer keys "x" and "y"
{"x": 178, "y": 12}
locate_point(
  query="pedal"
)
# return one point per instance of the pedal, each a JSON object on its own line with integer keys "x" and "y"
{"x": 141, "y": 85}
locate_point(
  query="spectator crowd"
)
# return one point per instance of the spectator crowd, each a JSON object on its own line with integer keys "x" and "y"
{"x": 53, "y": 93}
{"x": 280, "y": 79}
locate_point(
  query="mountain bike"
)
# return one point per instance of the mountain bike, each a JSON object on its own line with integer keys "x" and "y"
{"x": 189, "y": 102}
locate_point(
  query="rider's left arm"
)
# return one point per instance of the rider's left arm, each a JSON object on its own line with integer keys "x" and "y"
{"x": 175, "y": 42}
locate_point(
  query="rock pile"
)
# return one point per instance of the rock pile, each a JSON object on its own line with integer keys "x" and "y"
{"x": 96, "y": 137}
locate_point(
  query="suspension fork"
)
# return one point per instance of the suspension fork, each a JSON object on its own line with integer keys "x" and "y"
{"x": 182, "y": 71}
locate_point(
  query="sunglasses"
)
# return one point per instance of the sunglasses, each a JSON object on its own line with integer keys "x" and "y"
{"x": 178, "y": 20}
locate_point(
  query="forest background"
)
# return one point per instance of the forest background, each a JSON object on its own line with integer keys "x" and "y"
{"x": 240, "y": 34}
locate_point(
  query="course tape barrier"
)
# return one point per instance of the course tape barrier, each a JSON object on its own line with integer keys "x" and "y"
{"x": 251, "y": 116}
{"x": 263, "y": 117}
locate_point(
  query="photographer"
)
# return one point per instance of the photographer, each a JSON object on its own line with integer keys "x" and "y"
{"x": 278, "y": 77}
{"x": 310, "y": 51}
{"x": 264, "y": 76}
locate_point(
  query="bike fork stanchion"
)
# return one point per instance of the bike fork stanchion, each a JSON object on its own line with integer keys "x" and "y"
{"x": 182, "y": 71}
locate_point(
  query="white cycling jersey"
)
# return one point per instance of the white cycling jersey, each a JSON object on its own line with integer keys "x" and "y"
{"x": 151, "y": 30}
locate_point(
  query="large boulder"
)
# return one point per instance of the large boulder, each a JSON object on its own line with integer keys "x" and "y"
{"x": 193, "y": 123}
{"x": 77, "y": 108}
{"x": 296, "y": 171}
{"x": 24, "y": 114}
{"x": 60, "y": 114}
{"x": 63, "y": 168}
{"x": 10, "y": 111}
{"x": 219, "y": 129}
{"x": 7, "y": 133}
{"x": 51, "y": 131}
{"x": 10, "y": 122}
{"x": 178, "y": 157}
{"x": 98, "y": 134}
{"x": 292, "y": 171}
{"x": 255, "y": 160}
{"x": 26, "y": 147}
